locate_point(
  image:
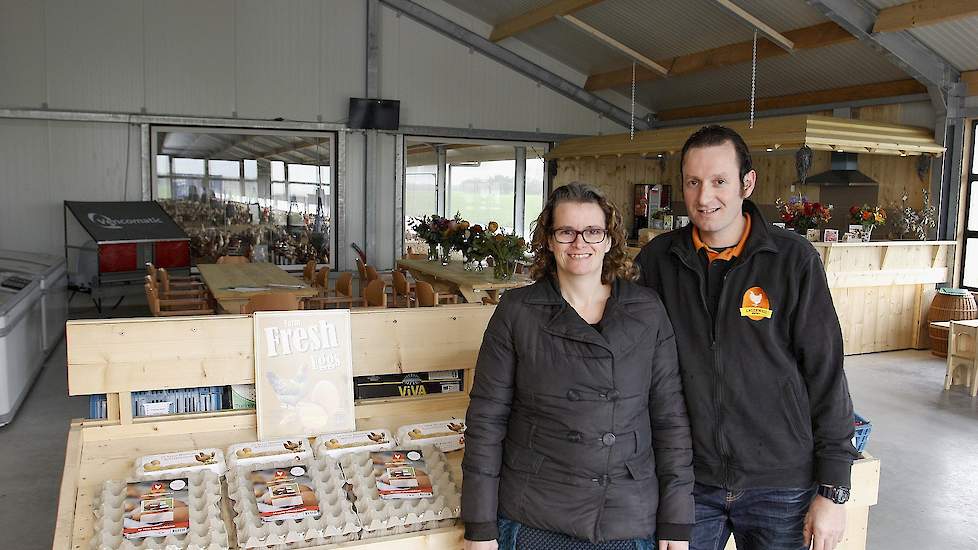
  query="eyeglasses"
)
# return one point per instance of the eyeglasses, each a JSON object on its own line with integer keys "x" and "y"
{"x": 592, "y": 235}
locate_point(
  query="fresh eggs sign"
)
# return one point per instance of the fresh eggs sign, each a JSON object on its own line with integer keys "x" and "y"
{"x": 304, "y": 373}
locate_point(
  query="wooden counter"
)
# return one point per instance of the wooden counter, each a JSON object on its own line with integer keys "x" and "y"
{"x": 882, "y": 290}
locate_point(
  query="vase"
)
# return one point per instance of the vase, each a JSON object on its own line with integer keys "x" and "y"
{"x": 446, "y": 254}
{"x": 432, "y": 252}
{"x": 867, "y": 233}
{"x": 503, "y": 269}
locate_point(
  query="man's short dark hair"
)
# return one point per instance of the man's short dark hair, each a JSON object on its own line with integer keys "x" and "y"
{"x": 715, "y": 134}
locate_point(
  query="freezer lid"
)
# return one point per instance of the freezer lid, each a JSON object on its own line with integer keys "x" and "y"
{"x": 50, "y": 268}
{"x": 126, "y": 222}
{"x": 14, "y": 304}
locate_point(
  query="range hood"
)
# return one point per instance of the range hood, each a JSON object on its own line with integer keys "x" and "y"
{"x": 844, "y": 172}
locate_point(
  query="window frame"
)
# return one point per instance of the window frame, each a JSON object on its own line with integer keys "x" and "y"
{"x": 970, "y": 189}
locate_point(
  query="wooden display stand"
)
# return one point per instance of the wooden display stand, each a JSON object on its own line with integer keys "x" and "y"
{"x": 118, "y": 357}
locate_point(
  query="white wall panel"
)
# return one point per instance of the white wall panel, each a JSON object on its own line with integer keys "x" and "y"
{"x": 383, "y": 255}
{"x": 22, "y": 54}
{"x": 94, "y": 55}
{"x": 342, "y": 44}
{"x": 278, "y": 58}
{"x": 190, "y": 57}
{"x": 501, "y": 99}
{"x": 355, "y": 200}
{"x": 25, "y": 195}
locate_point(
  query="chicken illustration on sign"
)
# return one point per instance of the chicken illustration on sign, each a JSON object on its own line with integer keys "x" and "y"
{"x": 755, "y": 305}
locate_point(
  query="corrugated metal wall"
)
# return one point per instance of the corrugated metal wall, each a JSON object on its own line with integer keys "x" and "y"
{"x": 295, "y": 59}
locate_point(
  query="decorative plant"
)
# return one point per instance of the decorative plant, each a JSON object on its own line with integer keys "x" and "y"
{"x": 504, "y": 248}
{"x": 801, "y": 214}
{"x": 868, "y": 216}
{"x": 909, "y": 222}
{"x": 437, "y": 231}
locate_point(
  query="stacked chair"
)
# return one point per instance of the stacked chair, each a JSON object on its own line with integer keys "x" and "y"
{"x": 427, "y": 297}
{"x": 176, "y": 302}
{"x": 342, "y": 296}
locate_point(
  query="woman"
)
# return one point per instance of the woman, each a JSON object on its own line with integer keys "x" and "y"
{"x": 577, "y": 433}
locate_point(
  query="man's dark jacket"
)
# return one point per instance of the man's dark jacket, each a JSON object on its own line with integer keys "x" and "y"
{"x": 574, "y": 430}
{"x": 767, "y": 396}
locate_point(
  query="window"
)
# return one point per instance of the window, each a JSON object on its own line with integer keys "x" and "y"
{"x": 969, "y": 275}
{"x": 248, "y": 192}
{"x": 481, "y": 181}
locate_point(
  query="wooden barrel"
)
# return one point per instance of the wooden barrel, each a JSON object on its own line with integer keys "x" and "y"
{"x": 950, "y": 304}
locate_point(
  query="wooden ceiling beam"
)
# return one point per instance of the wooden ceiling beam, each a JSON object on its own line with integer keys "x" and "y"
{"x": 538, "y": 16}
{"x": 604, "y": 38}
{"x": 805, "y": 38}
{"x": 819, "y": 97}
{"x": 921, "y": 13}
{"x": 763, "y": 28}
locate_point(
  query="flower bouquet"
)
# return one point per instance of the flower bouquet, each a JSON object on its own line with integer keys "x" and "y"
{"x": 504, "y": 248}
{"x": 439, "y": 232}
{"x": 868, "y": 217}
{"x": 465, "y": 238}
{"x": 801, "y": 215}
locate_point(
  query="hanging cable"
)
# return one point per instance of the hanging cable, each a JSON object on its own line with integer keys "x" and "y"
{"x": 753, "y": 78}
{"x": 631, "y": 129}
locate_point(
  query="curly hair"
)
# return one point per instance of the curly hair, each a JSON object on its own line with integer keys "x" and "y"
{"x": 616, "y": 264}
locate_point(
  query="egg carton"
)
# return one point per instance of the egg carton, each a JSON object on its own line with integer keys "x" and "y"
{"x": 384, "y": 517}
{"x": 337, "y": 522}
{"x": 170, "y": 465}
{"x": 207, "y": 529}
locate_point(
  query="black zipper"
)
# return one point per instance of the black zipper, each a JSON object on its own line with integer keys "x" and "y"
{"x": 715, "y": 346}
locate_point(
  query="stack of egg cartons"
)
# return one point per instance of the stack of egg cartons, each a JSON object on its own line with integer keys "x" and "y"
{"x": 207, "y": 530}
{"x": 337, "y": 521}
{"x": 382, "y": 517}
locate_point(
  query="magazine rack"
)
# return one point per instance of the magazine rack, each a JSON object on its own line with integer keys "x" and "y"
{"x": 117, "y": 357}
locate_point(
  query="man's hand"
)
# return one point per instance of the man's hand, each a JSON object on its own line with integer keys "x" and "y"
{"x": 673, "y": 545}
{"x": 825, "y": 524}
{"x": 480, "y": 545}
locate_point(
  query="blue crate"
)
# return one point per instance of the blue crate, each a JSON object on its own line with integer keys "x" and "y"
{"x": 863, "y": 427}
{"x": 181, "y": 401}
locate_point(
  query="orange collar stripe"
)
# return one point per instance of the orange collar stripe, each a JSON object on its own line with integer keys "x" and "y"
{"x": 728, "y": 254}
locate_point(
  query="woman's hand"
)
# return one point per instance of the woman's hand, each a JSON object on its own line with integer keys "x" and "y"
{"x": 480, "y": 545}
{"x": 673, "y": 545}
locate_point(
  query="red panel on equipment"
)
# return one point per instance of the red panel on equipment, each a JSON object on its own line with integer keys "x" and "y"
{"x": 170, "y": 254}
{"x": 115, "y": 258}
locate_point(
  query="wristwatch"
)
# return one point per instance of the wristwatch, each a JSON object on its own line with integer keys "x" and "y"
{"x": 838, "y": 495}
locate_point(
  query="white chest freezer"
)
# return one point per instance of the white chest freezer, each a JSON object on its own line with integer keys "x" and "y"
{"x": 52, "y": 273}
{"x": 21, "y": 343}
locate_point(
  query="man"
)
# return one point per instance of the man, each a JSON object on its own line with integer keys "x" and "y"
{"x": 760, "y": 352}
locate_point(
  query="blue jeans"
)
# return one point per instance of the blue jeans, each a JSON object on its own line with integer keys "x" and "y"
{"x": 510, "y": 539}
{"x": 760, "y": 519}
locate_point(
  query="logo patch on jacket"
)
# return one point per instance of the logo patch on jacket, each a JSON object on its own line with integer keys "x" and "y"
{"x": 755, "y": 305}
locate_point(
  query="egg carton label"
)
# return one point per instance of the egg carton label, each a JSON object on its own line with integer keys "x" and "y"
{"x": 286, "y": 493}
{"x": 338, "y": 444}
{"x": 189, "y": 461}
{"x": 156, "y": 508}
{"x": 296, "y": 448}
{"x": 401, "y": 474}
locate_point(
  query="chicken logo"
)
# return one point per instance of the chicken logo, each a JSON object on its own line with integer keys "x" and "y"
{"x": 755, "y": 305}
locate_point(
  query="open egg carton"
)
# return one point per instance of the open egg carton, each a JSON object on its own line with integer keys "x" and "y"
{"x": 384, "y": 517}
{"x": 207, "y": 529}
{"x": 336, "y": 523}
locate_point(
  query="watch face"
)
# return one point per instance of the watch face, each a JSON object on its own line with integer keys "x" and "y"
{"x": 838, "y": 495}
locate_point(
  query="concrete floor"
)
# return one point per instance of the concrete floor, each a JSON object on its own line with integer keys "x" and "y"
{"x": 927, "y": 440}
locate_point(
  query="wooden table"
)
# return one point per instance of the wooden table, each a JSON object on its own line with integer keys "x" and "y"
{"x": 222, "y": 278}
{"x": 454, "y": 278}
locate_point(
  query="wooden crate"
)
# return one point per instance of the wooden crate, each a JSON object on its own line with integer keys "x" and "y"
{"x": 117, "y": 357}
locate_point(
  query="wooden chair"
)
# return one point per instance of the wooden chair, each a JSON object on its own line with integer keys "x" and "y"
{"x": 165, "y": 288}
{"x": 376, "y": 293}
{"x": 309, "y": 271}
{"x": 490, "y": 301}
{"x": 175, "y": 281}
{"x": 342, "y": 295}
{"x": 185, "y": 294}
{"x": 271, "y": 301}
{"x": 169, "y": 308}
{"x": 321, "y": 281}
{"x": 403, "y": 291}
{"x": 362, "y": 272}
{"x": 962, "y": 354}
{"x": 427, "y": 297}
{"x": 344, "y": 285}
{"x": 233, "y": 260}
